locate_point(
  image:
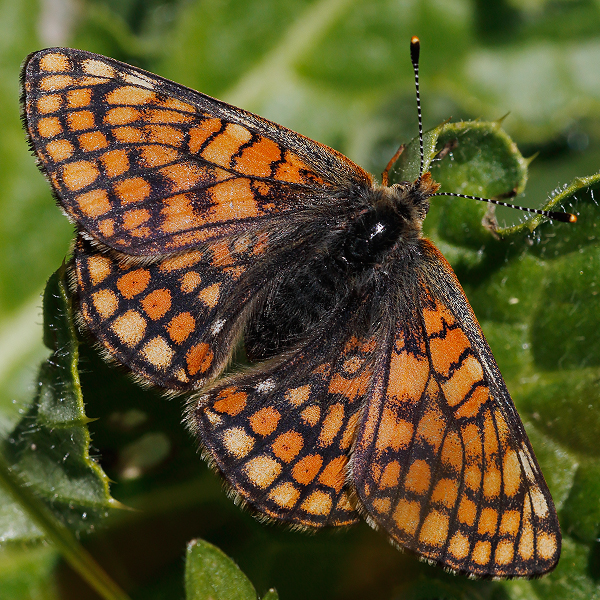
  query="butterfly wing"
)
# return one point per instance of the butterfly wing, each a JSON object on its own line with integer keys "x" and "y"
{"x": 442, "y": 462}
{"x": 149, "y": 167}
{"x": 281, "y": 434}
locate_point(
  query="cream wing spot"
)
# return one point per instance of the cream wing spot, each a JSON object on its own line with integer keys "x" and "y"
{"x": 237, "y": 441}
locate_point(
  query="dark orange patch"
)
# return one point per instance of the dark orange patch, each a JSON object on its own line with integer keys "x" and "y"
{"x": 56, "y": 82}
{"x": 199, "y": 135}
{"x": 133, "y": 283}
{"x": 434, "y": 530}
{"x": 445, "y": 492}
{"x": 130, "y": 95}
{"x": 164, "y": 134}
{"x": 183, "y": 176}
{"x": 156, "y": 156}
{"x": 418, "y": 477}
{"x": 181, "y": 326}
{"x": 265, "y": 420}
{"x": 122, "y": 115}
{"x": 232, "y": 199}
{"x": 79, "y": 98}
{"x": 49, "y": 127}
{"x": 94, "y": 203}
{"x": 467, "y": 511}
{"x": 473, "y": 405}
{"x": 166, "y": 116}
{"x": 306, "y": 470}
{"x": 222, "y": 147}
{"x": 333, "y": 474}
{"x": 134, "y": 189}
{"x": 80, "y": 174}
{"x": 199, "y": 358}
{"x": 134, "y": 218}
{"x": 288, "y": 445}
{"x": 230, "y": 401}
{"x": 59, "y": 150}
{"x": 157, "y": 303}
{"x": 178, "y": 213}
{"x": 210, "y": 295}
{"x": 81, "y": 119}
{"x": 115, "y": 162}
{"x": 446, "y": 351}
{"x": 257, "y": 159}
{"x": 129, "y": 135}
{"x": 94, "y": 140}
{"x": 389, "y": 478}
{"x": 331, "y": 425}
{"x": 404, "y": 388}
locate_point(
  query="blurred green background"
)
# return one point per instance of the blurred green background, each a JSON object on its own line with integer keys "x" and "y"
{"x": 337, "y": 71}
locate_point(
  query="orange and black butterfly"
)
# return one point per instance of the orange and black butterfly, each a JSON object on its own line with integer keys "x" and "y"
{"x": 374, "y": 392}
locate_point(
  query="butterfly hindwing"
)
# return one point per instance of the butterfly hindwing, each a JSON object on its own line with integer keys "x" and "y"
{"x": 442, "y": 462}
{"x": 147, "y": 166}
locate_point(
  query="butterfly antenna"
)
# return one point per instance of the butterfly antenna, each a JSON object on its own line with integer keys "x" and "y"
{"x": 415, "y": 47}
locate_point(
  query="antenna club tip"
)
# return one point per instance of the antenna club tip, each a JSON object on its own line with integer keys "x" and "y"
{"x": 572, "y": 218}
{"x": 415, "y": 46}
{"x": 564, "y": 217}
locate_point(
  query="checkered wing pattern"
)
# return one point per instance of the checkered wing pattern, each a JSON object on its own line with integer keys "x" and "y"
{"x": 149, "y": 167}
{"x": 442, "y": 462}
{"x": 281, "y": 435}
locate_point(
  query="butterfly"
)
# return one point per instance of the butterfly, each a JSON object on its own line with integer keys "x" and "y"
{"x": 373, "y": 392}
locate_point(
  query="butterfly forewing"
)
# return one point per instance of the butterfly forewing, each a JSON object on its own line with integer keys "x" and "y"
{"x": 147, "y": 166}
{"x": 441, "y": 460}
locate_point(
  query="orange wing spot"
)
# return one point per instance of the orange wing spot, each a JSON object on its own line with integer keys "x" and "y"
{"x": 99, "y": 268}
{"x": 49, "y": 127}
{"x": 98, "y": 68}
{"x": 122, "y": 115}
{"x": 472, "y": 442}
{"x": 158, "y": 352}
{"x": 318, "y": 503}
{"x": 288, "y": 445}
{"x": 59, "y": 150}
{"x": 55, "y": 62}
{"x": 129, "y": 135}
{"x": 349, "y": 432}
{"x": 93, "y": 204}
{"x": 434, "y": 319}
{"x": 393, "y": 433}
{"x": 134, "y": 189}
{"x": 452, "y": 452}
{"x": 182, "y": 261}
{"x": 133, "y": 283}
{"x": 509, "y": 524}
{"x": 331, "y": 425}
{"x": 505, "y": 551}
{"x": 408, "y": 377}
{"x": 446, "y": 492}
{"x": 190, "y": 281}
{"x": 311, "y": 415}
{"x": 459, "y": 546}
{"x": 432, "y": 427}
{"x": 164, "y": 134}
{"x": 178, "y": 214}
{"x": 407, "y": 516}
{"x": 231, "y": 401}
{"x": 237, "y": 442}
{"x": 221, "y": 148}
{"x": 199, "y": 358}
{"x": 128, "y": 94}
{"x": 390, "y": 476}
{"x": 199, "y": 135}
{"x": 256, "y": 160}
{"x": 129, "y": 328}
{"x": 306, "y": 469}
{"x": 546, "y": 545}
{"x": 526, "y": 542}
{"x": 285, "y": 495}
{"x": 135, "y": 218}
{"x": 181, "y": 326}
{"x": 106, "y": 227}
{"x": 488, "y": 521}
{"x": 434, "y": 531}
{"x": 472, "y": 477}
{"x": 94, "y": 140}
{"x": 88, "y": 81}
{"x": 175, "y": 104}
{"x": 115, "y": 162}
{"x": 105, "y": 302}
{"x": 467, "y": 511}
{"x": 490, "y": 439}
{"x": 166, "y": 116}
{"x": 80, "y": 174}
{"x": 49, "y": 103}
{"x": 482, "y": 553}
{"x": 233, "y": 199}
{"x": 333, "y": 474}
{"x": 262, "y": 471}
{"x": 157, "y": 303}
{"x": 79, "y": 98}
{"x": 56, "y": 82}
{"x": 210, "y": 295}
{"x": 473, "y": 405}
{"x": 156, "y": 156}
{"x": 183, "y": 176}
{"x": 446, "y": 351}
{"x": 418, "y": 477}
{"x": 81, "y": 119}
{"x": 265, "y": 421}
{"x": 351, "y": 388}
{"x": 292, "y": 170}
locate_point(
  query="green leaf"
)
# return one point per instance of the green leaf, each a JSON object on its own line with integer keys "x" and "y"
{"x": 49, "y": 448}
{"x": 209, "y": 573}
